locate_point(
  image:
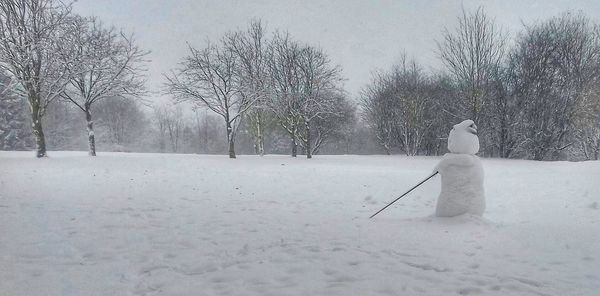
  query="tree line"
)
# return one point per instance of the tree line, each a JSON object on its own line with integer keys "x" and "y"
{"x": 265, "y": 80}
{"x": 533, "y": 95}
{"x": 52, "y": 54}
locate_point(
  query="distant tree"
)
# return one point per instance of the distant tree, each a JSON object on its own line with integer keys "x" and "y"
{"x": 409, "y": 88}
{"x": 160, "y": 115}
{"x": 170, "y": 124}
{"x": 32, "y": 51}
{"x": 14, "y": 134}
{"x": 208, "y": 136}
{"x": 557, "y": 62}
{"x": 398, "y": 106}
{"x": 504, "y": 113}
{"x": 62, "y": 127}
{"x": 442, "y": 113}
{"x": 123, "y": 124}
{"x": 378, "y": 111}
{"x": 587, "y": 126}
{"x": 175, "y": 126}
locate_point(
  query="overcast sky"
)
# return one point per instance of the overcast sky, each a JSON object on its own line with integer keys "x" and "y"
{"x": 359, "y": 35}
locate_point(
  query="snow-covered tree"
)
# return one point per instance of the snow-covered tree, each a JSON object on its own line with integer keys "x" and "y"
{"x": 32, "y": 51}
{"x": 284, "y": 88}
{"x": 207, "y": 78}
{"x": 250, "y": 48}
{"x": 304, "y": 87}
{"x": 109, "y": 65}
{"x": 334, "y": 127}
{"x": 414, "y": 102}
{"x": 319, "y": 83}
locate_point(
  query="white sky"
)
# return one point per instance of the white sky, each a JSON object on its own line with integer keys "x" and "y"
{"x": 360, "y": 36}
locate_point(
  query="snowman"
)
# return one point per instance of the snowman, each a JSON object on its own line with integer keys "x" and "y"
{"x": 462, "y": 174}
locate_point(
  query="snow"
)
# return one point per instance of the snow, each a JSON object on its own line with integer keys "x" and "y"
{"x": 157, "y": 224}
{"x": 462, "y": 186}
{"x": 463, "y": 138}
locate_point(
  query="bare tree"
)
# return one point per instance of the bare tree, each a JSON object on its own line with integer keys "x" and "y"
{"x": 160, "y": 115}
{"x": 32, "y": 51}
{"x": 587, "y": 125}
{"x": 122, "y": 122}
{"x": 208, "y": 78}
{"x": 442, "y": 113}
{"x": 109, "y": 65}
{"x": 409, "y": 85}
{"x": 472, "y": 53}
{"x": 504, "y": 113}
{"x": 378, "y": 111}
{"x": 398, "y": 106}
{"x": 283, "y": 101}
{"x": 170, "y": 123}
{"x": 319, "y": 83}
{"x": 334, "y": 126}
{"x": 304, "y": 86}
{"x": 250, "y": 49}
{"x": 206, "y": 133}
{"x": 557, "y": 62}
{"x": 175, "y": 126}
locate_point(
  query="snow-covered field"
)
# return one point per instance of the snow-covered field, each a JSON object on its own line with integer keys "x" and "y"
{"x": 152, "y": 224}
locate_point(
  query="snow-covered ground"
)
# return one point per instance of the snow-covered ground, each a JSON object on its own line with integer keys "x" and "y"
{"x": 155, "y": 224}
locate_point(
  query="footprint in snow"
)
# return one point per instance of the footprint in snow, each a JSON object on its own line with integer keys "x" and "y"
{"x": 369, "y": 200}
{"x": 469, "y": 291}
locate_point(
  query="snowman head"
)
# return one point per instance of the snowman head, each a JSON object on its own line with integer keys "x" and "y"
{"x": 468, "y": 125}
{"x": 463, "y": 138}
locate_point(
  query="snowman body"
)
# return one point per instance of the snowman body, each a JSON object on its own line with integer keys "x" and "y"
{"x": 462, "y": 174}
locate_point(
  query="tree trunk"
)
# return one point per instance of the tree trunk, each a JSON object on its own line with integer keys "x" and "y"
{"x": 308, "y": 139}
{"x": 90, "y": 130}
{"x": 294, "y": 147}
{"x": 230, "y": 140}
{"x": 261, "y": 145}
{"x": 231, "y": 148}
{"x": 38, "y": 132}
{"x": 260, "y": 141}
